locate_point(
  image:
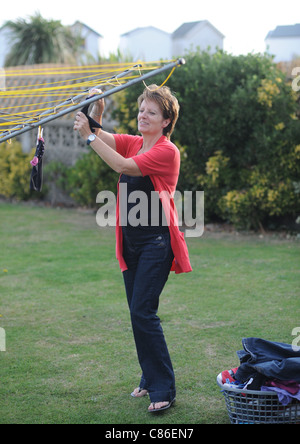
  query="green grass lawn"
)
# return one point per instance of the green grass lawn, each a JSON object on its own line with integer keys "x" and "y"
{"x": 70, "y": 354}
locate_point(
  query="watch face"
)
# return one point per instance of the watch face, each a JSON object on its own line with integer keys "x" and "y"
{"x": 91, "y": 138}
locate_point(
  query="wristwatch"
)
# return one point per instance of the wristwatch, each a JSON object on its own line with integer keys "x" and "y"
{"x": 91, "y": 139}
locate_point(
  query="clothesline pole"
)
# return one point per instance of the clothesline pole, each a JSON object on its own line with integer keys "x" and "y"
{"x": 28, "y": 126}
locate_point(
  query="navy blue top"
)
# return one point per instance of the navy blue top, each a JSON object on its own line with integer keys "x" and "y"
{"x": 144, "y": 210}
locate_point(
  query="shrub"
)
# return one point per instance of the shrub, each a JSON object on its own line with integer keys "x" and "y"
{"x": 15, "y": 171}
{"x": 88, "y": 177}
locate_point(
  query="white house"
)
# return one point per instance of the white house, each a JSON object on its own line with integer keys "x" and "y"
{"x": 152, "y": 43}
{"x": 147, "y": 44}
{"x": 92, "y": 40}
{"x": 284, "y": 43}
{"x": 4, "y": 42}
{"x": 190, "y": 36}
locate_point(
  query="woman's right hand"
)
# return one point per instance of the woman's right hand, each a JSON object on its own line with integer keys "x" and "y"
{"x": 99, "y": 106}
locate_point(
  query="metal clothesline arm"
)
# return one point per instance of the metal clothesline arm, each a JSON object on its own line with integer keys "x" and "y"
{"x": 36, "y": 122}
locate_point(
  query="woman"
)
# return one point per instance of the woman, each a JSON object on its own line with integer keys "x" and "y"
{"x": 147, "y": 251}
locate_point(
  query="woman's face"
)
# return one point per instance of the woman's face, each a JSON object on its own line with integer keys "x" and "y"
{"x": 150, "y": 118}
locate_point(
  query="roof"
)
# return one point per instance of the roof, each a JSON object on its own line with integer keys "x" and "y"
{"x": 285, "y": 31}
{"x": 83, "y": 25}
{"x": 185, "y": 28}
{"x": 142, "y": 29}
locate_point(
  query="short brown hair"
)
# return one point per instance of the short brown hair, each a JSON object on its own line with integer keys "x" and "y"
{"x": 167, "y": 102}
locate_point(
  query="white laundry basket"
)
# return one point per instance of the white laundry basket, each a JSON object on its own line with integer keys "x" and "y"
{"x": 257, "y": 407}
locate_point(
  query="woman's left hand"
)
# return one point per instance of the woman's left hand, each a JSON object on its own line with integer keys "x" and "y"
{"x": 81, "y": 125}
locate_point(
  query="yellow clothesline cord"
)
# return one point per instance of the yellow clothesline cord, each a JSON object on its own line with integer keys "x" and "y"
{"x": 32, "y": 89}
{"x": 95, "y": 76}
{"x": 64, "y": 70}
{"x": 98, "y": 75}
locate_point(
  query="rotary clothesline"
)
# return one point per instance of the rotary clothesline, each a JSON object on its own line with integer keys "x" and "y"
{"x": 35, "y": 117}
{"x": 23, "y": 97}
{"x": 31, "y": 100}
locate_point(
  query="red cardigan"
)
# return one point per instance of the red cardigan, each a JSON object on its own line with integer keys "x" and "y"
{"x": 161, "y": 164}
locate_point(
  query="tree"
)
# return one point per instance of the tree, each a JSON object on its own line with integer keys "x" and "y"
{"x": 37, "y": 40}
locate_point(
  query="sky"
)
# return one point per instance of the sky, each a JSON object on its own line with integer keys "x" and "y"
{"x": 245, "y": 24}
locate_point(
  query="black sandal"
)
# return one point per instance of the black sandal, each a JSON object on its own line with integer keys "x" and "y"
{"x": 166, "y": 407}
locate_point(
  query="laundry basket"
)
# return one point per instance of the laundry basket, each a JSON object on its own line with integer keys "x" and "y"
{"x": 257, "y": 407}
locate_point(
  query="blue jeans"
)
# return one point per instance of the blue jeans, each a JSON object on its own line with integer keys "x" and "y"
{"x": 149, "y": 258}
{"x": 274, "y": 360}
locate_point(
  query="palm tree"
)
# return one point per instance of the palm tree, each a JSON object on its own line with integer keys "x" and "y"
{"x": 38, "y": 40}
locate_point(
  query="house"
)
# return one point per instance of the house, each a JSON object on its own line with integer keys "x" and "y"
{"x": 151, "y": 43}
{"x": 201, "y": 34}
{"x": 92, "y": 45}
{"x": 4, "y": 45}
{"x": 146, "y": 44}
{"x": 284, "y": 43}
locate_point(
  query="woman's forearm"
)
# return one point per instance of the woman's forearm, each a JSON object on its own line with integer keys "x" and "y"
{"x": 109, "y": 155}
{"x": 105, "y": 146}
{"x": 97, "y": 116}
{"x": 106, "y": 137}
{"x": 113, "y": 159}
